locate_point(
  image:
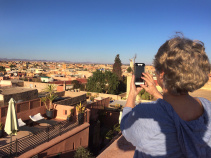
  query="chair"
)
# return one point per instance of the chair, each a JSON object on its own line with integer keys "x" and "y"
{"x": 40, "y": 119}
{"x": 23, "y": 127}
{"x": 21, "y": 123}
{"x": 36, "y": 117}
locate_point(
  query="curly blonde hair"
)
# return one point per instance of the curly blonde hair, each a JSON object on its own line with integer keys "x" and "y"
{"x": 185, "y": 65}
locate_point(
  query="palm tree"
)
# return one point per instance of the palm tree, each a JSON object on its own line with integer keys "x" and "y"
{"x": 51, "y": 97}
{"x": 50, "y": 89}
{"x": 44, "y": 100}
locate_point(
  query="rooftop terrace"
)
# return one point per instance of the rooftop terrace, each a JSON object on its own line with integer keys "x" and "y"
{"x": 13, "y": 90}
{"x": 121, "y": 148}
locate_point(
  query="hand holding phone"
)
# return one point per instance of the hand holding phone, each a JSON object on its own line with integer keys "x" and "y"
{"x": 139, "y": 69}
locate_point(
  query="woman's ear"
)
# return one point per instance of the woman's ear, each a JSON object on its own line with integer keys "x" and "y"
{"x": 161, "y": 75}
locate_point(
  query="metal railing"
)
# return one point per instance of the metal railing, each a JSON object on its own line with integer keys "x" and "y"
{"x": 24, "y": 144}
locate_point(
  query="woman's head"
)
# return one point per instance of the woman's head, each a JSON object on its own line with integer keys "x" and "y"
{"x": 185, "y": 65}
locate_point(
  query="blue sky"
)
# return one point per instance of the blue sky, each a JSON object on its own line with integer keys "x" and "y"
{"x": 97, "y": 30}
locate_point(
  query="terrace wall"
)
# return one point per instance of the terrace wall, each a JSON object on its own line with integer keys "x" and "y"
{"x": 72, "y": 101}
{"x": 63, "y": 111}
{"x": 74, "y": 94}
{"x": 24, "y": 109}
{"x": 32, "y": 107}
{"x": 111, "y": 117}
{"x": 38, "y": 85}
{"x": 120, "y": 148}
{"x": 23, "y": 96}
{"x": 64, "y": 145}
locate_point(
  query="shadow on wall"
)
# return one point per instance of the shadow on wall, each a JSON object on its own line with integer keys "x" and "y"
{"x": 123, "y": 144}
{"x": 169, "y": 122}
{"x": 65, "y": 154}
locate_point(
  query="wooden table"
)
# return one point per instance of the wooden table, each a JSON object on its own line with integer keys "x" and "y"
{"x": 44, "y": 124}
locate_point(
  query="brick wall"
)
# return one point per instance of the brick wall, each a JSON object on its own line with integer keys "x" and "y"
{"x": 24, "y": 109}
{"x": 23, "y": 96}
{"x": 38, "y": 85}
{"x": 65, "y": 145}
{"x": 73, "y": 101}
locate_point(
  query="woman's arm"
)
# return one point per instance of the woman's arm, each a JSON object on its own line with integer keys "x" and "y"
{"x": 149, "y": 86}
{"x": 132, "y": 94}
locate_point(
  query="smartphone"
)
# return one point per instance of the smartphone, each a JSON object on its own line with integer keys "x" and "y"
{"x": 139, "y": 69}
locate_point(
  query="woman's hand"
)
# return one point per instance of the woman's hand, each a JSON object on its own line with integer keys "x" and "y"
{"x": 133, "y": 93}
{"x": 133, "y": 89}
{"x": 150, "y": 86}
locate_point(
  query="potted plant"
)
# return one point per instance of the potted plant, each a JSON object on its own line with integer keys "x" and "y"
{"x": 1, "y": 131}
{"x": 50, "y": 96}
{"x": 81, "y": 110}
{"x": 92, "y": 98}
{"x": 88, "y": 95}
{"x": 44, "y": 100}
{"x": 70, "y": 117}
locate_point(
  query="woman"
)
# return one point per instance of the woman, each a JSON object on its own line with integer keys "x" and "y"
{"x": 176, "y": 125}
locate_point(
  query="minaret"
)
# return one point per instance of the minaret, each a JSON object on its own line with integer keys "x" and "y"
{"x": 129, "y": 77}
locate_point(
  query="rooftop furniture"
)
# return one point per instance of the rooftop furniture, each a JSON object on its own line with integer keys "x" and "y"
{"x": 21, "y": 123}
{"x": 38, "y": 118}
{"x": 24, "y": 129}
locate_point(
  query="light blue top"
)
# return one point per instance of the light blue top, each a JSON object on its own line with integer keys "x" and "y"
{"x": 156, "y": 130}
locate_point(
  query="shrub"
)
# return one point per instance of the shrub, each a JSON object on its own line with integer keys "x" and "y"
{"x": 145, "y": 95}
{"x": 113, "y": 132}
{"x": 129, "y": 69}
{"x": 81, "y": 152}
{"x": 88, "y": 95}
{"x": 1, "y": 126}
{"x": 92, "y": 98}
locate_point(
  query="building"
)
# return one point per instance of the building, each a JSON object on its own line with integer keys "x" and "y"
{"x": 19, "y": 94}
{"x": 11, "y": 83}
{"x": 46, "y": 79}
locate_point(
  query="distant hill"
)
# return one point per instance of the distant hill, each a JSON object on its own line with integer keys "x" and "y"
{"x": 6, "y": 59}
{"x": 61, "y": 61}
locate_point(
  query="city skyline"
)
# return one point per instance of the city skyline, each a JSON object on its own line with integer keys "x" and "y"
{"x": 96, "y": 31}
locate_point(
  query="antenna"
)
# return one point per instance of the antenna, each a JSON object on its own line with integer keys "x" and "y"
{"x": 134, "y": 58}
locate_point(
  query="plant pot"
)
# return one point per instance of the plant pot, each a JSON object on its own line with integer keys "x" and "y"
{"x": 80, "y": 118}
{"x": 50, "y": 114}
{"x": 1, "y": 133}
{"x": 70, "y": 118}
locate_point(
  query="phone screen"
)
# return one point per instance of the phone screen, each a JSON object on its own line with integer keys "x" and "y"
{"x": 139, "y": 69}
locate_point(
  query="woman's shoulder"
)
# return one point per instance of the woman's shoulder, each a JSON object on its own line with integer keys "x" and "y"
{"x": 205, "y": 102}
{"x": 159, "y": 104}
{"x": 155, "y": 108}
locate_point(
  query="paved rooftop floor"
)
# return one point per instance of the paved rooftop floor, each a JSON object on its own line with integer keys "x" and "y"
{"x": 205, "y": 93}
{"x": 25, "y": 131}
{"x": 121, "y": 148}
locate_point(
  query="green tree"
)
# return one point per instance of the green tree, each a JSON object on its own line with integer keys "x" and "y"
{"x": 117, "y": 67}
{"x": 103, "y": 82}
{"x": 96, "y": 83}
{"x": 82, "y": 152}
{"x": 27, "y": 65}
{"x": 50, "y": 89}
{"x": 129, "y": 69}
{"x": 76, "y": 84}
{"x": 111, "y": 83}
{"x": 12, "y": 66}
{"x": 145, "y": 95}
{"x": 43, "y": 75}
{"x": 2, "y": 69}
{"x": 82, "y": 87}
{"x": 36, "y": 65}
{"x": 122, "y": 85}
